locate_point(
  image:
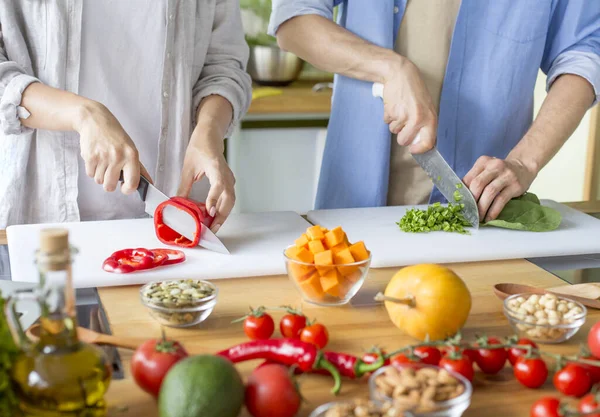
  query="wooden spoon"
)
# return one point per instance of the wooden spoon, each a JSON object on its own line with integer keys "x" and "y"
{"x": 504, "y": 290}
{"x": 92, "y": 337}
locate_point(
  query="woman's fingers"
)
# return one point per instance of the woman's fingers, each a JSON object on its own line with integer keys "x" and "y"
{"x": 111, "y": 177}
{"x": 187, "y": 181}
{"x": 100, "y": 172}
{"x": 224, "y": 207}
{"x": 131, "y": 177}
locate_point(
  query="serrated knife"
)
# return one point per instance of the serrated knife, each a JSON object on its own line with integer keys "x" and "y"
{"x": 443, "y": 176}
{"x": 177, "y": 219}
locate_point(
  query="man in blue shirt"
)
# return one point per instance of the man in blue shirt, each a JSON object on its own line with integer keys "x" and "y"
{"x": 476, "y": 106}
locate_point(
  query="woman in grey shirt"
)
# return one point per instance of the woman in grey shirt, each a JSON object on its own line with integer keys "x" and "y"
{"x": 92, "y": 88}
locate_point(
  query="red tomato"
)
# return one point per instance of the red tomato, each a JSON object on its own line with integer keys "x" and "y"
{"x": 491, "y": 361}
{"x": 372, "y": 357}
{"x": 515, "y": 352}
{"x": 428, "y": 354}
{"x": 594, "y": 371}
{"x": 469, "y": 353}
{"x": 271, "y": 392}
{"x": 461, "y": 366}
{"x": 573, "y": 380}
{"x": 594, "y": 340}
{"x": 291, "y": 325}
{"x": 401, "y": 359}
{"x": 315, "y": 334}
{"x": 259, "y": 327}
{"x": 545, "y": 407}
{"x": 531, "y": 372}
{"x": 588, "y": 404}
{"x": 152, "y": 360}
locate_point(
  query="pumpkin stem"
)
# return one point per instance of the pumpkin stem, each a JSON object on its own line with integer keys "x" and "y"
{"x": 409, "y": 301}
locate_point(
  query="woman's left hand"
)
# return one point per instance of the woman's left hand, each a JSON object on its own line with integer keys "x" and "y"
{"x": 494, "y": 182}
{"x": 204, "y": 157}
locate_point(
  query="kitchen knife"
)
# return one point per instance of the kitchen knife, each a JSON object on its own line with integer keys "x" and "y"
{"x": 442, "y": 175}
{"x": 176, "y": 219}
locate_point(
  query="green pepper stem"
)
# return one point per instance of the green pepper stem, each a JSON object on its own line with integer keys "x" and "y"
{"x": 328, "y": 366}
{"x": 362, "y": 367}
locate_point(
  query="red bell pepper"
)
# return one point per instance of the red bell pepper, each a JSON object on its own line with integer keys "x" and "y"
{"x": 195, "y": 209}
{"x": 130, "y": 260}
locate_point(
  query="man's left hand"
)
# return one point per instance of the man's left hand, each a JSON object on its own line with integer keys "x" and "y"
{"x": 494, "y": 182}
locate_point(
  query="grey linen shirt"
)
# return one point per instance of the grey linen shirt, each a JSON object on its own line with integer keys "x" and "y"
{"x": 205, "y": 54}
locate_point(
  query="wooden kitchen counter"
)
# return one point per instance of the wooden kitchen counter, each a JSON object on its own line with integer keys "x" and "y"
{"x": 352, "y": 329}
{"x": 297, "y": 98}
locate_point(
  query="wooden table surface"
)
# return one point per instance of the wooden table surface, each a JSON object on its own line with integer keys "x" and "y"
{"x": 296, "y": 98}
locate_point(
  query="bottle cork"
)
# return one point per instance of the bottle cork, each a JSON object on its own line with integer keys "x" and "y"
{"x": 54, "y": 241}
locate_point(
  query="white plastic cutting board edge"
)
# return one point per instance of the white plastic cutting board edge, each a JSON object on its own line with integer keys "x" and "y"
{"x": 578, "y": 234}
{"x": 256, "y": 242}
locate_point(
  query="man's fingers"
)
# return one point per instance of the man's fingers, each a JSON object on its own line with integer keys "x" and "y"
{"x": 490, "y": 193}
{"x": 396, "y": 126}
{"x": 500, "y": 201}
{"x": 481, "y": 181}
{"x": 408, "y": 134}
{"x": 426, "y": 141}
{"x": 131, "y": 177}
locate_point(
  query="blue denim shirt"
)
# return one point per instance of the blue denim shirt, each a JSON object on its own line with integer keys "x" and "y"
{"x": 486, "y": 104}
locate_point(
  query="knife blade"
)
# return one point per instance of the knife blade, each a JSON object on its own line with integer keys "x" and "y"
{"x": 177, "y": 219}
{"x": 443, "y": 176}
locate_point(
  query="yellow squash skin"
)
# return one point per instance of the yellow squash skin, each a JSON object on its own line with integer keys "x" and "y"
{"x": 442, "y": 301}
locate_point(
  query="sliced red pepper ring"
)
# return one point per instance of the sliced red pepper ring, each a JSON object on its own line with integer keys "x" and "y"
{"x": 172, "y": 256}
{"x": 130, "y": 260}
{"x": 169, "y": 236}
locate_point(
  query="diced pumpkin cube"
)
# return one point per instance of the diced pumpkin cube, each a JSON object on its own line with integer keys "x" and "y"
{"x": 299, "y": 271}
{"x": 354, "y": 277}
{"x": 323, "y": 260}
{"x": 344, "y": 257}
{"x": 334, "y": 237}
{"x": 302, "y": 241}
{"x": 315, "y": 246}
{"x": 311, "y": 287}
{"x": 340, "y": 246}
{"x": 331, "y": 283}
{"x": 324, "y": 229}
{"x": 359, "y": 251}
{"x": 315, "y": 233}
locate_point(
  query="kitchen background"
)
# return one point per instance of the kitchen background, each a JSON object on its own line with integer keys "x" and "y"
{"x": 276, "y": 152}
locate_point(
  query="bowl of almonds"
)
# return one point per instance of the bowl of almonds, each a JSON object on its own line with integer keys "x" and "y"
{"x": 423, "y": 390}
{"x": 180, "y": 302}
{"x": 546, "y": 318}
{"x": 359, "y": 408}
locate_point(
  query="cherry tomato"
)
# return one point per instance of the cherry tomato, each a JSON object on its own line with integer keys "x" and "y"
{"x": 291, "y": 325}
{"x": 461, "y": 366}
{"x": 315, "y": 334}
{"x": 588, "y": 404}
{"x": 491, "y": 361}
{"x": 531, "y": 372}
{"x": 152, "y": 360}
{"x": 401, "y": 359}
{"x": 594, "y": 340}
{"x": 372, "y": 357}
{"x": 594, "y": 371}
{"x": 258, "y": 325}
{"x": 514, "y": 352}
{"x": 271, "y": 392}
{"x": 469, "y": 353}
{"x": 545, "y": 407}
{"x": 573, "y": 380}
{"x": 428, "y": 355}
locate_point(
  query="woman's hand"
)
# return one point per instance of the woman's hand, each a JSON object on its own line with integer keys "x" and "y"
{"x": 204, "y": 157}
{"x": 494, "y": 182}
{"x": 107, "y": 149}
{"x": 408, "y": 107}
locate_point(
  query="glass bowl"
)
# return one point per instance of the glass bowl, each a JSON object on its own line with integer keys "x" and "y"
{"x": 543, "y": 333}
{"x": 187, "y": 312}
{"x": 322, "y": 410}
{"x": 454, "y": 407}
{"x": 327, "y": 285}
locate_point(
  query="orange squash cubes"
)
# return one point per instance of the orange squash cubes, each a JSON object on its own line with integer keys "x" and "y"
{"x": 329, "y": 253}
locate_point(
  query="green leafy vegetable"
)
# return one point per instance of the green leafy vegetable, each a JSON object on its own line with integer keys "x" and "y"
{"x": 8, "y": 352}
{"x": 435, "y": 218}
{"x": 526, "y": 213}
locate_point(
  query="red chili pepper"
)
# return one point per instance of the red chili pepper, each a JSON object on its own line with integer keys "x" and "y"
{"x": 195, "y": 209}
{"x": 129, "y": 260}
{"x": 289, "y": 352}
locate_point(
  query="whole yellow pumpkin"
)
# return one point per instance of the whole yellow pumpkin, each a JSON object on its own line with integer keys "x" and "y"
{"x": 427, "y": 300}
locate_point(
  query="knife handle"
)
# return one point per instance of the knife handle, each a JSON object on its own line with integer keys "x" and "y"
{"x": 377, "y": 91}
{"x": 142, "y": 188}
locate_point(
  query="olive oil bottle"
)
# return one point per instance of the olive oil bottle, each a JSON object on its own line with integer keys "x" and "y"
{"x": 57, "y": 376}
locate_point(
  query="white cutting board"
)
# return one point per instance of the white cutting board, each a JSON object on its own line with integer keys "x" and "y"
{"x": 256, "y": 242}
{"x": 578, "y": 234}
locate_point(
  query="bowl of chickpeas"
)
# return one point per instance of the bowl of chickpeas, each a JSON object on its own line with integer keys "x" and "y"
{"x": 547, "y": 318}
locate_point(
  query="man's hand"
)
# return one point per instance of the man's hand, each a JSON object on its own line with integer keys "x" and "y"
{"x": 494, "y": 182}
{"x": 408, "y": 107}
{"x": 204, "y": 157}
{"x": 107, "y": 149}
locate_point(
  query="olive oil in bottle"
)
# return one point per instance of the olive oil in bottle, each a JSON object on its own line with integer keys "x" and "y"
{"x": 57, "y": 376}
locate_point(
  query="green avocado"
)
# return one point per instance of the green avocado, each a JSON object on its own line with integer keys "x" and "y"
{"x": 201, "y": 386}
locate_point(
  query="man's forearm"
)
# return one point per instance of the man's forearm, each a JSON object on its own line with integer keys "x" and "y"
{"x": 332, "y": 48}
{"x": 565, "y": 105}
{"x": 213, "y": 119}
{"x": 54, "y": 109}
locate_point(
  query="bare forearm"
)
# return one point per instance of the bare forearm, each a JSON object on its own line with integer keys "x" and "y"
{"x": 214, "y": 116}
{"x": 332, "y": 48}
{"x": 54, "y": 109}
{"x": 567, "y": 102}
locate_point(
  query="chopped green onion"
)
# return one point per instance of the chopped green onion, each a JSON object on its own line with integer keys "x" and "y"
{"x": 435, "y": 218}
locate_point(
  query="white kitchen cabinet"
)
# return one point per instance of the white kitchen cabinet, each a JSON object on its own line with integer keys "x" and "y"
{"x": 276, "y": 168}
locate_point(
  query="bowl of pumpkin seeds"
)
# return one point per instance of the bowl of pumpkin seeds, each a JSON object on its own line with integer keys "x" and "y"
{"x": 180, "y": 302}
